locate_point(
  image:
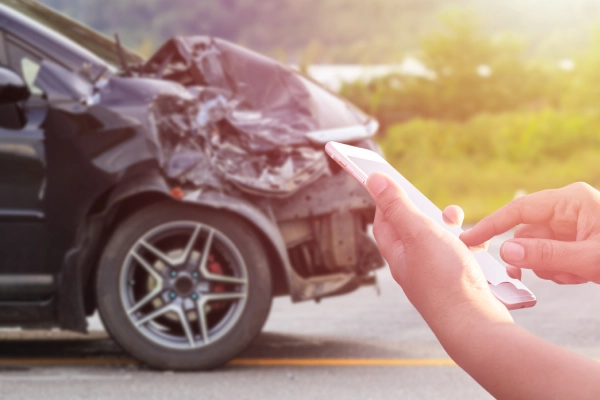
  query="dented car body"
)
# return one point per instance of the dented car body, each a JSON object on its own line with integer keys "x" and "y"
{"x": 103, "y": 136}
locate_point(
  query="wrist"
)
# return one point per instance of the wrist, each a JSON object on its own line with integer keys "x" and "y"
{"x": 466, "y": 321}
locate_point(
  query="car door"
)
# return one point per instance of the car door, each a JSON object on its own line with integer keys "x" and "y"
{"x": 22, "y": 173}
{"x": 23, "y": 236}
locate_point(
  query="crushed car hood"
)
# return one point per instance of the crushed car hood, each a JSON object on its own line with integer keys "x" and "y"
{"x": 269, "y": 102}
{"x": 250, "y": 117}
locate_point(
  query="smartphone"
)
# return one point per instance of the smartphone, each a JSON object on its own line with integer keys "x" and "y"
{"x": 360, "y": 163}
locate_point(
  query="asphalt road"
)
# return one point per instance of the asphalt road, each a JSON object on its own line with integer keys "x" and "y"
{"x": 358, "y": 346}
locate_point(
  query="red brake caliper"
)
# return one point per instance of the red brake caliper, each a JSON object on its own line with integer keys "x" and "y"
{"x": 216, "y": 268}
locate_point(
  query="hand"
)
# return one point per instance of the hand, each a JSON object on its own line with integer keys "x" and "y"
{"x": 560, "y": 238}
{"x": 435, "y": 269}
{"x": 442, "y": 280}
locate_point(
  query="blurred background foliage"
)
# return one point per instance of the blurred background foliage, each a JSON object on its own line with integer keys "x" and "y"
{"x": 488, "y": 122}
{"x": 510, "y": 103}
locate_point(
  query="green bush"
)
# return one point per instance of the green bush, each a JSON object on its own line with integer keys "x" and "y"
{"x": 480, "y": 164}
{"x": 469, "y": 73}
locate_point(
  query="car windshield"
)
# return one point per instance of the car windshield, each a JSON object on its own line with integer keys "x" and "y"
{"x": 100, "y": 45}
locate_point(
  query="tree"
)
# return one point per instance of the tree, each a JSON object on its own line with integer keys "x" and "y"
{"x": 470, "y": 73}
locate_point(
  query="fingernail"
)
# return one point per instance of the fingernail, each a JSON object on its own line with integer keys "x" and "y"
{"x": 512, "y": 252}
{"x": 510, "y": 273}
{"x": 448, "y": 220}
{"x": 376, "y": 184}
{"x": 475, "y": 249}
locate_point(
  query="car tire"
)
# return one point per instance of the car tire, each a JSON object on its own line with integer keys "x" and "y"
{"x": 124, "y": 281}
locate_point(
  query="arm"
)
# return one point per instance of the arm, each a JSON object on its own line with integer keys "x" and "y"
{"x": 442, "y": 280}
{"x": 511, "y": 363}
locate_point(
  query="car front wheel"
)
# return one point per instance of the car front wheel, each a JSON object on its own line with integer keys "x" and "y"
{"x": 182, "y": 288}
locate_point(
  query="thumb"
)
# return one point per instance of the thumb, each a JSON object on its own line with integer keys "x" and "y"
{"x": 395, "y": 205}
{"x": 550, "y": 254}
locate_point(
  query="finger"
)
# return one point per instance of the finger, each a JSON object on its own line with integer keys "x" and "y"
{"x": 558, "y": 277}
{"x": 567, "y": 278}
{"x": 514, "y": 272}
{"x": 389, "y": 243}
{"x": 482, "y": 247}
{"x": 531, "y": 209}
{"x": 395, "y": 206}
{"x": 540, "y": 231}
{"x": 378, "y": 215}
{"x": 381, "y": 230}
{"x": 576, "y": 257}
{"x": 378, "y": 223}
{"x": 562, "y": 278}
{"x": 453, "y": 216}
{"x": 544, "y": 274}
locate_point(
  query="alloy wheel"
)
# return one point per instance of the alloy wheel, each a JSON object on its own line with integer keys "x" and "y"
{"x": 183, "y": 285}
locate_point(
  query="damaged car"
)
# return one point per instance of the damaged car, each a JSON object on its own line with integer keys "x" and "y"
{"x": 175, "y": 195}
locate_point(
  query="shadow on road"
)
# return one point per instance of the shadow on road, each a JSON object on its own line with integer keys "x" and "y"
{"x": 277, "y": 345}
{"x": 60, "y": 346}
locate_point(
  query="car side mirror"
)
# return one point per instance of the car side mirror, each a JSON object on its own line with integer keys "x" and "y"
{"x": 12, "y": 87}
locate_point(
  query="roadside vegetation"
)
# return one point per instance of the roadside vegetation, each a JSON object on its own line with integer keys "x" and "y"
{"x": 488, "y": 124}
{"x": 485, "y": 161}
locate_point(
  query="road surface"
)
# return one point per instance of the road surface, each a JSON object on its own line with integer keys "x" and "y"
{"x": 357, "y": 346}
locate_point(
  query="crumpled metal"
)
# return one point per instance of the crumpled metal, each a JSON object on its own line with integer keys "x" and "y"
{"x": 247, "y": 120}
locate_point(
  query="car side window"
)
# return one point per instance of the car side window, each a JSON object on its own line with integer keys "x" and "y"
{"x": 24, "y": 62}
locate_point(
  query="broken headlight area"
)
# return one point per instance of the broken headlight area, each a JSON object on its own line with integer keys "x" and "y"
{"x": 201, "y": 147}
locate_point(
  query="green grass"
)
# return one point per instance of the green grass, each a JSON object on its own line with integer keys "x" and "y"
{"x": 482, "y": 163}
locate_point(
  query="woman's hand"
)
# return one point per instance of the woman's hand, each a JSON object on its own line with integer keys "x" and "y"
{"x": 560, "y": 238}
{"x": 442, "y": 280}
{"x": 436, "y": 270}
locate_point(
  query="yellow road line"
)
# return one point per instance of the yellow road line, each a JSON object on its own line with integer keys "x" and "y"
{"x": 308, "y": 362}
{"x": 68, "y": 361}
{"x": 357, "y": 362}
{"x": 257, "y": 362}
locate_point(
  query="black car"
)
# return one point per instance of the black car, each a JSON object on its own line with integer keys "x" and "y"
{"x": 175, "y": 195}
